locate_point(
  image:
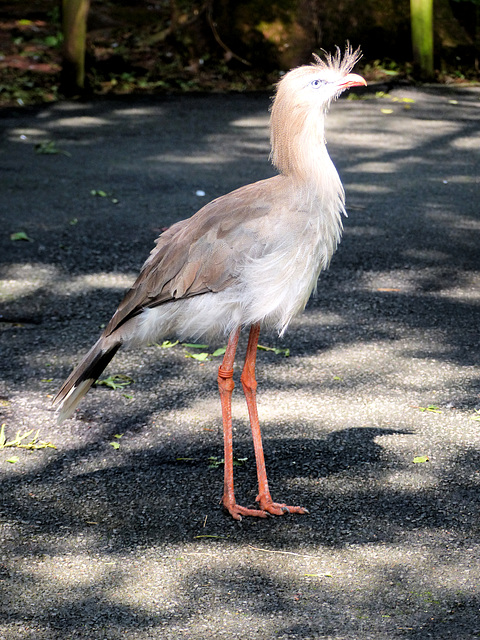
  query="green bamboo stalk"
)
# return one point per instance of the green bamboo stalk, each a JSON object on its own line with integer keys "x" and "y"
{"x": 74, "y": 25}
{"x": 421, "y": 19}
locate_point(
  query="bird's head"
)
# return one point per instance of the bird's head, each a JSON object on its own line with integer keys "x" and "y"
{"x": 314, "y": 86}
{"x": 303, "y": 96}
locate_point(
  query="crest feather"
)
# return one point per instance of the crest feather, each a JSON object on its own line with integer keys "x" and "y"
{"x": 337, "y": 62}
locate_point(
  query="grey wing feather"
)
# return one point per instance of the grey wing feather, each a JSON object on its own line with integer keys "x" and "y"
{"x": 198, "y": 255}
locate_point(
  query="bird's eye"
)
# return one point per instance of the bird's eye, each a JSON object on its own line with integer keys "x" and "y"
{"x": 316, "y": 84}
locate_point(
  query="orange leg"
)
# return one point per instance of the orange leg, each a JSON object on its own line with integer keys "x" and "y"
{"x": 226, "y": 385}
{"x": 249, "y": 388}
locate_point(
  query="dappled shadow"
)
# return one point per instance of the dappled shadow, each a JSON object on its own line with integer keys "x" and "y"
{"x": 162, "y": 493}
{"x": 403, "y": 287}
{"x": 154, "y": 154}
{"x": 149, "y": 499}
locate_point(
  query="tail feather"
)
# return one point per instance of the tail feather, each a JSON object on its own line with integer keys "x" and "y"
{"x": 83, "y": 376}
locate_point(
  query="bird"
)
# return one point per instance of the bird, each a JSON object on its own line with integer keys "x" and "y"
{"x": 248, "y": 259}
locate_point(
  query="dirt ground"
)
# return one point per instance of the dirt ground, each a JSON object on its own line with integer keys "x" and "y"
{"x": 127, "y": 540}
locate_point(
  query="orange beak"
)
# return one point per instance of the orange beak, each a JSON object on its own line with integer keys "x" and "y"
{"x": 352, "y": 80}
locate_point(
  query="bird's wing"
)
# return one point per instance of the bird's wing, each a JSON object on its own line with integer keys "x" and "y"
{"x": 200, "y": 254}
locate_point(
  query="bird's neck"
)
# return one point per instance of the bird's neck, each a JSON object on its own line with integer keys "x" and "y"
{"x": 300, "y": 153}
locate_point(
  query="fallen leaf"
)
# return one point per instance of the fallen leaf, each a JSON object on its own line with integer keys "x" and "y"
{"x": 201, "y": 357}
{"x": 431, "y": 408}
{"x": 166, "y": 344}
{"x": 117, "y": 381}
{"x": 420, "y": 459}
{"x": 193, "y": 345}
{"x": 276, "y": 350}
{"x": 20, "y": 235}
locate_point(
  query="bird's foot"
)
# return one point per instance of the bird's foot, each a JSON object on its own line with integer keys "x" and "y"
{"x": 278, "y": 508}
{"x": 236, "y": 511}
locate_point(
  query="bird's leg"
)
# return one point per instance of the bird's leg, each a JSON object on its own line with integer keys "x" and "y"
{"x": 226, "y": 385}
{"x": 249, "y": 388}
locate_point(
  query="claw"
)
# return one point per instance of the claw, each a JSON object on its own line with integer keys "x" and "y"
{"x": 277, "y": 508}
{"x": 237, "y": 511}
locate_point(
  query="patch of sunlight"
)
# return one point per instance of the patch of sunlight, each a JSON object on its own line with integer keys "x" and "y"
{"x": 25, "y": 131}
{"x": 140, "y": 111}
{"x": 67, "y": 106}
{"x": 454, "y": 222}
{"x": 370, "y": 188}
{"x": 72, "y": 571}
{"x": 255, "y": 146}
{"x": 427, "y": 255}
{"x": 105, "y": 280}
{"x": 458, "y": 179}
{"x": 21, "y": 279}
{"x": 139, "y": 584}
{"x": 363, "y": 231}
{"x": 428, "y": 128}
{"x": 81, "y": 121}
{"x": 257, "y": 122}
{"x": 470, "y": 142}
{"x": 377, "y": 167}
{"x": 189, "y": 159}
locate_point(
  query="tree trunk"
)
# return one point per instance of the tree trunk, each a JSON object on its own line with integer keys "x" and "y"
{"x": 74, "y": 24}
{"x": 421, "y": 17}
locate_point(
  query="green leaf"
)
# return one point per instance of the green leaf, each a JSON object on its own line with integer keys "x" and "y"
{"x": 116, "y": 444}
{"x": 432, "y": 408}
{"x": 49, "y": 147}
{"x": 117, "y": 381}
{"x": 276, "y": 350}
{"x": 99, "y": 193}
{"x": 13, "y": 459}
{"x": 214, "y": 462}
{"x": 194, "y": 345}
{"x": 166, "y": 344}
{"x": 202, "y": 357}
{"x": 239, "y": 462}
{"x": 420, "y": 459}
{"x": 20, "y": 235}
{"x": 19, "y": 440}
{"x": 219, "y": 352}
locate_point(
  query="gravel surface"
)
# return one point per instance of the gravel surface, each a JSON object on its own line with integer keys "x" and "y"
{"x": 130, "y": 542}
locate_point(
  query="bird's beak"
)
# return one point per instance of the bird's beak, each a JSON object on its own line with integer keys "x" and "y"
{"x": 351, "y": 80}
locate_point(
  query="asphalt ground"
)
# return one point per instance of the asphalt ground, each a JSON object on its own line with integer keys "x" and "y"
{"x": 129, "y": 541}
